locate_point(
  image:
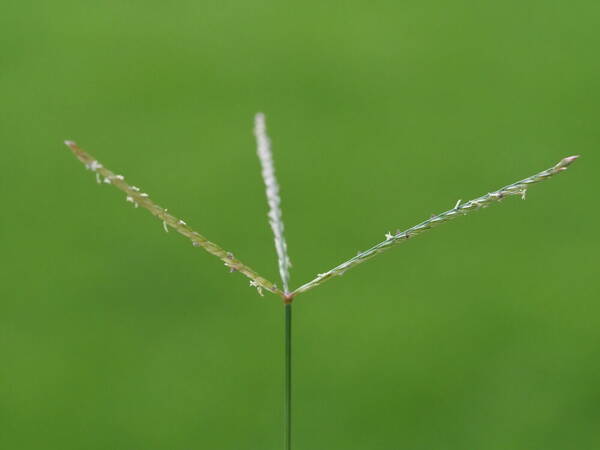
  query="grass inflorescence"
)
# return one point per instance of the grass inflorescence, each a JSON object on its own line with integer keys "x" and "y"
{"x": 141, "y": 199}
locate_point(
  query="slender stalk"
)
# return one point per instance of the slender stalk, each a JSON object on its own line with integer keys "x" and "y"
{"x": 287, "y": 404}
{"x": 265, "y": 156}
{"x": 138, "y": 198}
{"x": 460, "y": 209}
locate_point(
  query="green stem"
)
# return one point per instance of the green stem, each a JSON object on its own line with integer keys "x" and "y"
{"x": 287, "y": 408}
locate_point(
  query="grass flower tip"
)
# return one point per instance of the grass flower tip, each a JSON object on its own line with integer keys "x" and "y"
{"x": 566, "y": 162}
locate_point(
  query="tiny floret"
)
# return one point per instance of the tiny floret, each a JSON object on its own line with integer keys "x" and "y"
{"x": 165, "y": 226}
{"x": 131, "y": 200}
{"x": 94, "y": 165}
{"x": 523, "y": 194}
{"x": 389, "y": 235}
{"x": 257, "y": 286}
{"x": 565, "y": 162}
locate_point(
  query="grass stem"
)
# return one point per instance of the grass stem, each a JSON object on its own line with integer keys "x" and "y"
{"x": 287, "y": 405}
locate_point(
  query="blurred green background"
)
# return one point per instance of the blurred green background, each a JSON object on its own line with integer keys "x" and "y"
{"x": 483, "y": 334}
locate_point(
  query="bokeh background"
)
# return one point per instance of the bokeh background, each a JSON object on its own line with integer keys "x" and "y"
{"x": 483, "y": 334}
